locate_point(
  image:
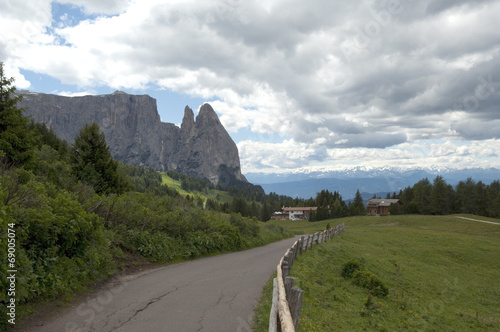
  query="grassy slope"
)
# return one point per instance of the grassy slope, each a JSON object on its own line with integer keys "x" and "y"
{"x": 442, "y": 273}
{"x": 224, "y": 196}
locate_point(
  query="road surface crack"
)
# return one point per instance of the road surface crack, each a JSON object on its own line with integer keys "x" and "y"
{"x": 152, "y": 301}
{"x": 200, "y": 321}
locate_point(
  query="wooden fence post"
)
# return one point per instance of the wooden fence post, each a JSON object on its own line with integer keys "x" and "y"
{"x": 294, "y": 297}
{"x": 273, "y": 316}
{"x": 295, "y": 304}
{"x": 296, "y": 249}
{"x": 290, "y": 257}
{"x": 286, "y": 269}
{"x": 285, "y": 317}
{"x": 289, "y": 281}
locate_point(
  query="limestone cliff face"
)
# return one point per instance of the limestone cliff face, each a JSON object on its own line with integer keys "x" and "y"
{"x": 136, "y": 135}
{"x": 206, "y": 139}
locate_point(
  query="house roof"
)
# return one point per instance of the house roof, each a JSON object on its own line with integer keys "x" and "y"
{"x": 382, "y": 202}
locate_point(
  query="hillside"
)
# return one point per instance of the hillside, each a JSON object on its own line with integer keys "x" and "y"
{"x": 441, "y": 273}
{"x": 222, "y": 196}
{"x": 73, "y": 216}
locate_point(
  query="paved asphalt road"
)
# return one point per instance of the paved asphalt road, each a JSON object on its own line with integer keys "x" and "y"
{"x": 213, "y": 294}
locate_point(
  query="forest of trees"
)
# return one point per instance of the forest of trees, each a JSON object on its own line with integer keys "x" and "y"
{"x": 439, "y": 198}
{"x": 425, "y": 197}
{"x": 331, "y": 205}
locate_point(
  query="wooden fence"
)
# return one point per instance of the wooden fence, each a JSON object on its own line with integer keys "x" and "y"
{"x": 287, "y": 300}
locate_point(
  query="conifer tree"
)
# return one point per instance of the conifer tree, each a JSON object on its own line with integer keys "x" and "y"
{"x": 16, "y": 140}
{"x": 93, "y": 164}
{"x": 358, "y": 207}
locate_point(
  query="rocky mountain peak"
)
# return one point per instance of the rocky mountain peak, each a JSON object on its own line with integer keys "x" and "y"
{"x": 188, "y": 120}
{"x": 137, "y": 136}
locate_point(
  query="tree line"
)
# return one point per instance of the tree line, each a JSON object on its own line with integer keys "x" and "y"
{"x": 330, "y": 205}
{"x": 440, "y": 198}
{"x": 424, "y": 197}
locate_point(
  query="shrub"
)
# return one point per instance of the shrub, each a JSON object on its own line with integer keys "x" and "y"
{"x": 350, "y": 267}
{"x": 246, "y": 226}
{"x": 361, "y": 277}
{"x": 371, "y": 282}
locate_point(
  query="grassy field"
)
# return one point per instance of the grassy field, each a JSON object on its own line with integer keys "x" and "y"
{"x": 442, "y": 272}
{"x": 224, "y": 196}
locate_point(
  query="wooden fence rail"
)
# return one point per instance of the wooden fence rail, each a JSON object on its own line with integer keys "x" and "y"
{"x": 287, "y": 300}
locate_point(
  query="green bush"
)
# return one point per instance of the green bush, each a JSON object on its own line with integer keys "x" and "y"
{"x": 59, "y": 246}
{"x": 246, "y": 226}
{"x": 157, "y": 246}
{"x": 361, "y": 277}
{"x": 371, "y": 282}
{"x": 350, "y": 267}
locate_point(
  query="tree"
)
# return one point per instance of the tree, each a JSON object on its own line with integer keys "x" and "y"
{"x": 239, "y": 205}
{"x": 442, "y": 197}
{"x": 266, "y": 212}
{"x": 422, "y": 195}
{"x": 16, "y": 140}
{"x": 464, "y": 190}
{"x": 93, "y": 164}
{"x": 358, "y": 207}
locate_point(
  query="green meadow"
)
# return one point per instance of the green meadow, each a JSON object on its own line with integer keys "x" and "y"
{"x": 442, "y": 273}
{"x": 217, "y": 195}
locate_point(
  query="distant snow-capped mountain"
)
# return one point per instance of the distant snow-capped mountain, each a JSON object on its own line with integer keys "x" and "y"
{"x": 367, "y": 180}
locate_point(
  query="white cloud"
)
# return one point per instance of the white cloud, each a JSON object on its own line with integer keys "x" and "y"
{"x": 74, "y": 94}
{"x": 20, "y": 81}
{"x": 108, "y": 7}
{"x": 290, "y": 156}
{"x": 332, "y": 77}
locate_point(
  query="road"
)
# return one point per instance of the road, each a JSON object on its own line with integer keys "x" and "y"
{"x": 211, "y": 294}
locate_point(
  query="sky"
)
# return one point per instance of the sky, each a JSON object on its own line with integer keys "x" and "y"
{"x": 299, "y": 85}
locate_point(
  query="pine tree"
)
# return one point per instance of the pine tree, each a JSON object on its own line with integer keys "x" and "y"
{"x": 265, "y": 212}
{"x": 16, "y": 140}
{"x": 93, "y": 164}
{"x": 442, "y": 197}
{"x": 358, "y": 205}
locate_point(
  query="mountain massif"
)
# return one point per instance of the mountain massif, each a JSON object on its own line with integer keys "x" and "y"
{"x": 135, "y": 134}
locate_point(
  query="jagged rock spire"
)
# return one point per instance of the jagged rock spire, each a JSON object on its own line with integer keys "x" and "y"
{"x": 136, "y": 135}
{"x": 187, "y": 122}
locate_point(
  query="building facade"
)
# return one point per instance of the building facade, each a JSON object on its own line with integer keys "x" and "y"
{"x": 293, "y": 213}
{"x": 380, "y": 207}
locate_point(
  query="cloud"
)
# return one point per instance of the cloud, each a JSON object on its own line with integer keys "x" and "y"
{"x": 323, "y": 75}
{"x": 478, "y": 130}
{"x": 108, "y": 7}
{"x": 291, "y": 156}
{"x": 74, "y": 94}
{"x": 20, "y": 81}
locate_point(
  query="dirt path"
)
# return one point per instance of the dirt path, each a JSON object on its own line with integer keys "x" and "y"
{"x": 211, "y": 294}
{"x": 487, "y": 222}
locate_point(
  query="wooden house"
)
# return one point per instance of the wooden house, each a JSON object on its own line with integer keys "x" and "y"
{"x": 380, "y": 207}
